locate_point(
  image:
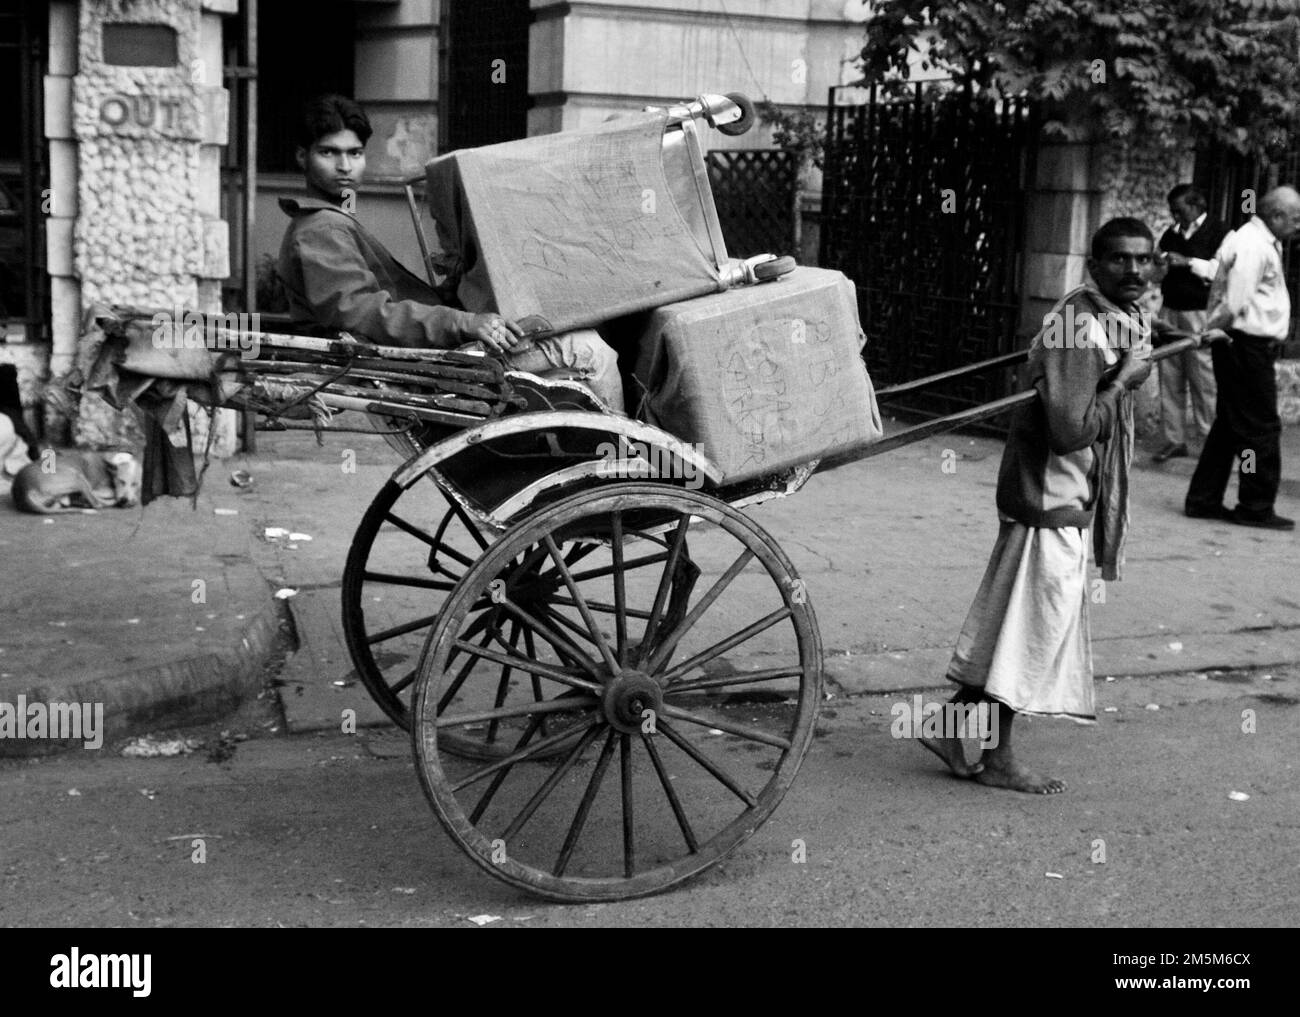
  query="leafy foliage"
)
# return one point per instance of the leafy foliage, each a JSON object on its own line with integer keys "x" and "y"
{"x": 799, "y": 132}
{"x": 1223, "y": 70}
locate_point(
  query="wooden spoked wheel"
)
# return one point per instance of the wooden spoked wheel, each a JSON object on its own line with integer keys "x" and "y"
{"x": 413, "y": 545}
{"x": 658, "y": 695}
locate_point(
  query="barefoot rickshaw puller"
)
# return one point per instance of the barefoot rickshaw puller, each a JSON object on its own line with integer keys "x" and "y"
{"x": 1025, "y": 646}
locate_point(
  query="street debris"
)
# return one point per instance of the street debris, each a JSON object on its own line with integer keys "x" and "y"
{"x": 150, "y": 746}
{"x": 300, "y": 536}
{"x": 1153, "y": 706}
{"x": 192, "y": 836}
{"x": 74, "y": 792}
{"x": 404, "y": 889}
{"x": 225, "y": 512}
{"x": 1053, "y": 875}
{"x": 285, "y": 592}
{"x": 1239, "y": 796}
{"x": 241, "y": 478}
{"x": 149, "y": 793}
{"x": 1177, "y": 647}
{"x": 1110, "y": 709}
{"x": 481, "y": 920}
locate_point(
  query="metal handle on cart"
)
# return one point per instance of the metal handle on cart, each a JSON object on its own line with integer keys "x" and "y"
{"x": 731, "y": 114}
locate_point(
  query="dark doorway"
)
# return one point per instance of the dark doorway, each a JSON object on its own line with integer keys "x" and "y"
{"x": 923, "y": 208}
{"x": 24, "y": 173}
{"x": 485, "y": 54}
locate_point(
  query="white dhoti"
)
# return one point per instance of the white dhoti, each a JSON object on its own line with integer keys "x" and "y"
{"x": 1026, "y": 639}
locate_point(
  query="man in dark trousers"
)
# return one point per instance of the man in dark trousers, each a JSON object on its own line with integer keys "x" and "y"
{"x": 1249, "y": 318}
{"x": 1189, "y": 247}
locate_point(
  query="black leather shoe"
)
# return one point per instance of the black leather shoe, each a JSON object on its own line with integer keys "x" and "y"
{"x": 1222, "y": 512}
{"x": 1170, "y": 451}
{"x": 1272, "y": 521}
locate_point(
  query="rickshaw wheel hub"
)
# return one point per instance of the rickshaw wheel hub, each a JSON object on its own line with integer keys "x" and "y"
{"x": 628, "y": 698}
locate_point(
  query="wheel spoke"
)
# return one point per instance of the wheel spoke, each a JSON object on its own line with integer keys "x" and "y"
{"x": 530, "y": 666}
{"x": 752, "y": 734}
{"x": 462, "y": 674}
{"x": 501, "y": 775}
{"x": 625, "y": 765}
{"x": 665, "y": 651}
{"x": 541, "y": 794}
{"x": 465, "y": 520}
{"x": 683, "y": 823}
{"x": 401, "y": 630}
{"x": 568, "y": 623}
{"x": 620, "y": 592}
{"x": 666, "y": 579}
{"x": 531, "y": 651}
{"x": 551, "y": 636}
{"x": 395, "y": 580}
{"x": 606, "y": 654}
{"x": 401, "y": 684}
{"x": 740, "y": 678}
{"x": 523, "y": 753}
{"x": 631, "y": 563}
{"x": 558, "y": 705}
{"x": 721, "y": 647}
{"x": 600, "y": 605}
{"x": 584, "y": 807}
{"x": 427, "y": 538}
{"x": 503, "y": 686}
{"x": 721, "y": 775}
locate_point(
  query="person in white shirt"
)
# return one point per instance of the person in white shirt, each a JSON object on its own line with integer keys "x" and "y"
{"x": 1249, "y": 319}
{"x": 1188, "y": 249}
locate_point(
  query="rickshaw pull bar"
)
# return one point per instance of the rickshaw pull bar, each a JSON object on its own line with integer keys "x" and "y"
{"x": 963, "y": 417}
{"x": 904, "y": 387}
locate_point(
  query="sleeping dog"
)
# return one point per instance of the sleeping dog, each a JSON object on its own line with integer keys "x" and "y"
{"x": 72, "y": 481}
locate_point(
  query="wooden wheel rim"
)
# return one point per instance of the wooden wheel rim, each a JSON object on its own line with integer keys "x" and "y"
{"x": 452, "y": 812}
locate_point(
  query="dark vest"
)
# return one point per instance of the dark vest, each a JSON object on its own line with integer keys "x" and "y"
{"x": 1183, "y": 289}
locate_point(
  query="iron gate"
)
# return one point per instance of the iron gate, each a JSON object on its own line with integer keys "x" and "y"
{"x": 923, "y": 206}
{"x": 757, "y": 195}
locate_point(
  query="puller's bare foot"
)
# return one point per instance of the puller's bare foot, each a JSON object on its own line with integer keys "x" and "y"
{"x": 1009, "y": 773}
{"x": 953, "y": 756}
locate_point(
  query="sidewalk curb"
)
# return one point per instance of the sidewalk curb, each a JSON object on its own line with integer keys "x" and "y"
{"x": 191, "y": 690}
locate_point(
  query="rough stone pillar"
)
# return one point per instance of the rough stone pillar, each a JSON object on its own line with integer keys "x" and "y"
{"x": 148, "y": 117}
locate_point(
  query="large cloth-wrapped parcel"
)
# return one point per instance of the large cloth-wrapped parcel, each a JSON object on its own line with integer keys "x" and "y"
{"x": 762, "y": 377}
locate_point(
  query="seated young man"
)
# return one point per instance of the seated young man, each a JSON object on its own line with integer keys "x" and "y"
{"x": 338, "y": 276}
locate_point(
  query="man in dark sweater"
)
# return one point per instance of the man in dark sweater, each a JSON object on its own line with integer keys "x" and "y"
{"x": 1025, "y": 646}
{"x": 338, "y": 276}
{"x": 1189, "y": 247}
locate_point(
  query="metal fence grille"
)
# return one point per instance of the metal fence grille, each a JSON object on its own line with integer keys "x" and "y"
{"x": 923, "y": 207}
{"x": 756, "y": 192}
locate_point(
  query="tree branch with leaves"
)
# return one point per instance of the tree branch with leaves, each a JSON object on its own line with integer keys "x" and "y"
{"x": 1221, "y": 70}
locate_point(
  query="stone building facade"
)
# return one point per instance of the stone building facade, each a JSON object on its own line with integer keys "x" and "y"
{"x": 140, "y": 108}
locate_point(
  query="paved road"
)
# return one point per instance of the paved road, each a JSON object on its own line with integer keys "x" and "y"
{"x": 328, "y": 829}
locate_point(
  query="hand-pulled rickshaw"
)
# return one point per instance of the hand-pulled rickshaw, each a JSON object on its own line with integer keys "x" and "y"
{"x": 610, "y": 673}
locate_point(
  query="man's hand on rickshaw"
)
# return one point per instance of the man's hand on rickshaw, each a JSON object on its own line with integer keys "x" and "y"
{"x": 1214, "y": 335}
{"x": 1133, "y": 371}
{"x": 497, "y": 334}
